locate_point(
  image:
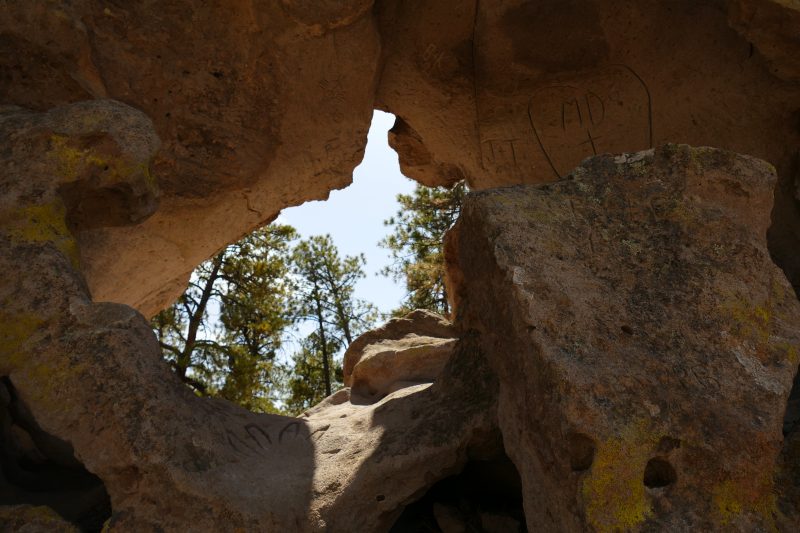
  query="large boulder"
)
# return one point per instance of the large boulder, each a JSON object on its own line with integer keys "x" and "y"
{"x": 403, "y": 352}
{"x": 644, "y": 340}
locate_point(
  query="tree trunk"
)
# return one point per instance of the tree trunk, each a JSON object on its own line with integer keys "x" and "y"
{"x": 324, "y": 345}
{"x": 185, "y": 359}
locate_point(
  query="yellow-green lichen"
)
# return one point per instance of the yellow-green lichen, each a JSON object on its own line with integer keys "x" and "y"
{"x": 15, "y": 329}
{"x": 150, "y": 176}
{"x": 733, "y": 497}
{"x": 613, "y": 492}
{"x": 42, "y": 223}
{"x": 749, "y": 317}
{"x": 35, "y": 515}
{"x": 69, "y": 160}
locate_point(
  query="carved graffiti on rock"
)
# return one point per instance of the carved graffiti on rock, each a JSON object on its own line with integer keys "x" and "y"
{"x": 608, "y": 113}
{"x": 333, "y": 97}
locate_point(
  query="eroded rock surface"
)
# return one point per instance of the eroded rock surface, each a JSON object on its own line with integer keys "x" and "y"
{"x": 266, "y": 104}
{"x": 29, "y": 519}
{"x": 403, "y": 352}
{"x": 92, "y": 375}
{"x": 644, "y": 340}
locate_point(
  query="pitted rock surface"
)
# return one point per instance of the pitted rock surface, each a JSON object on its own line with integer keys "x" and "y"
{"x": 266, "y": 104}
{"x": 644, "y": 340}
{"x": 92, "y": 375}
{"x": 29, "y": 519}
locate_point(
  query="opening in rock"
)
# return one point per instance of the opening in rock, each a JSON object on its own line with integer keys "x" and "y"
{"x": 791, "y": 419}
{"x": 486, "y": 497}
{"x": 658, "y": 473}
{"x": 627, "y": 329}
{"x": 581, "y": 453}
{"x": 40, "y": 469}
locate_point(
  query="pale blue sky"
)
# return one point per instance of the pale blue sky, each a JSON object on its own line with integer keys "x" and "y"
{"x": 354, "y": 216}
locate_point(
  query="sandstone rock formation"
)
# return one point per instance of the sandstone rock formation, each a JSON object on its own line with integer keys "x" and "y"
{"x": 401, "y": 353}
{"x": 28, "y": 519}
{"x": 265, "y": 104}
{"x": 91, "y": 383}
{"x": 644, "y": 340}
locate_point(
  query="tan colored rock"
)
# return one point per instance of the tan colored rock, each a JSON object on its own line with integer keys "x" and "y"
{"x": 403, "y": 352}
{"x": 773, "y": 26}
{"x": 29, "y": 519}
{"x": 644, "y": 340}
{"x": 91, "y": 375}
{"x": 259, "y": 106}
{"x": 265, "y": 105}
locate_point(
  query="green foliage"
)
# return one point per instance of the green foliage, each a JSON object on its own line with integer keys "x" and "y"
{"x": 263, "y": 289}
{"x": 324, "y": 296}
{"x": 305, "y": 380}
{"x": 416, "y": 245}
{"x": 250, "y": 280}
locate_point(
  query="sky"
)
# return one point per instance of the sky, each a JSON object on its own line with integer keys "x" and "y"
{"x": 354, "y": 219}
{"x": 354, "y": 216}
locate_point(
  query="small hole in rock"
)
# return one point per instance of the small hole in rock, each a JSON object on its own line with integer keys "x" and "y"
{"x": 791, "y": 418}
{"x": 105, "y": 167}
{"x": 627, "y": 329}
{"x": 581, "y": 453}
{"x": 380, "y": 497}
{"x": 217, "y": 74}
{"x": 658, "y": 473}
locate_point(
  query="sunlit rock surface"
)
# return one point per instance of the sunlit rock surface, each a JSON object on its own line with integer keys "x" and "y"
{"x": 266, "y": 104}
{"x": 86, "y": 385}
{"x": 403, "y": 352}
{"x": 644, "y": 340}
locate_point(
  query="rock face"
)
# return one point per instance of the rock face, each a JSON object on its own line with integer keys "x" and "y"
{"x": 401, "y": 353}
{"x": 266, "y": 104}
{"x": 91, "y": 374}
{"x": 259, "y": 105}
{"x": 28, "y": 519}
{"x": 644, "y": 340}
{"x": 40, "y": 468}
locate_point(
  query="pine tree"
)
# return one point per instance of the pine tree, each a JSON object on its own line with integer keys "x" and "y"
{"x": 416, "y": 245}
{"x": 234, "y": 359}
{"x": 325, "y": 286}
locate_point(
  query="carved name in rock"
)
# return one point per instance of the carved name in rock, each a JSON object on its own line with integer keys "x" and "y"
{"x": 644, "y": 340}
{"x": 608, "y": 113}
